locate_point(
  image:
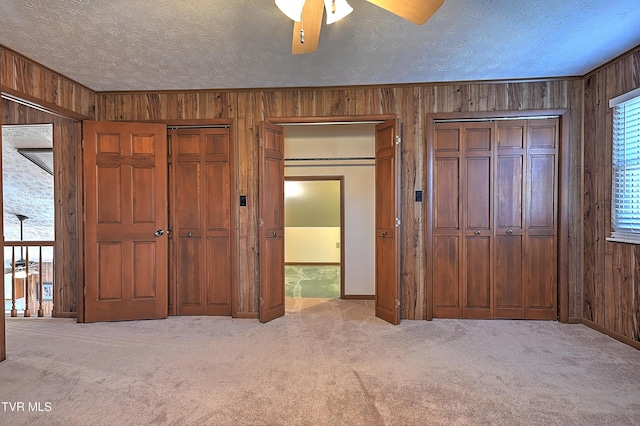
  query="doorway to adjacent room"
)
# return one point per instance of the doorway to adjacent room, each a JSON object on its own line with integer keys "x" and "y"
{"x": 342, "y": 156}
{"x": 314, "y": 237}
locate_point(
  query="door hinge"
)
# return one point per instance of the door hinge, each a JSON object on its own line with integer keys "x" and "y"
{"x": 398, "y": 139}
{"x": 397, "y": 222}
{"x": 260, "y": 223}
{"x": 261, "y": 301}
{"x": 82, "y": 143}
{"x": 397, "y": 303}
{"x": 260, "y": 139}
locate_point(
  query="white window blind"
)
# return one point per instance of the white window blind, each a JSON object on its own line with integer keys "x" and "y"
{"x": 625, "y": 208}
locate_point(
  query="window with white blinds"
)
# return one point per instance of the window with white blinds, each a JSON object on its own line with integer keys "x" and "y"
{"x": 625, "y": 205}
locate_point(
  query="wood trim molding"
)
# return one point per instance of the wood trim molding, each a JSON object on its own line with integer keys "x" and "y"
{"x": 246, "y": 315}
{"x": 80, "y": 210}
{"x": 427, "y": 215}
{"x": 359, "y": 297}
{"x": 330, "y": 119}
{"x": 66, "y": 315}
{"x": 191, "y": 122}
{"x": 494, "y": 114}
{"x": 564, "y": 179}
{"x": 563, "y": 184}
{"x": 619, "y": 337}
{"x": 39, "y": 104}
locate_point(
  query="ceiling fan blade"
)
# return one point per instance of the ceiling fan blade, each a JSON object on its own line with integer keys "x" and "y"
{"x": 416, "y": 11}
{"x": 311, "y": 22}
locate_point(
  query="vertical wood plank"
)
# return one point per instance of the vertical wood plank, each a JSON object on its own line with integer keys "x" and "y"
{"x": 591, "y": 257}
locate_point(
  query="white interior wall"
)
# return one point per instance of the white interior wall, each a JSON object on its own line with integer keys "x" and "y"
{"x": 333, "y": 143}
{"x": 324, "y": 247}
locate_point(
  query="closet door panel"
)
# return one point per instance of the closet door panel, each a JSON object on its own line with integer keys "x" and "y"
{"x": 509, "y": 187}
{"x": 508, "y": 277}
{"x": 218, "y": 275}
{"x": 446, "y": 212}
{"x": 447, "y": 217}
{"x": 477, "y": 214}
{"x": 447, "y": 293}
{"x": 477, "y": 295}
{"x": 477, "y": 195}
{"x": 541, "y": 274}
{"x": 541, "y": 226}
{"x": 190, "y": 297}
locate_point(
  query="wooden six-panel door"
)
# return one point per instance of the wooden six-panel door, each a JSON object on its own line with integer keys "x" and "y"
{"x": 387, "y": 187}
{"x": 494, "y": 219}
{"x": 271, "y": 221}
{"x": 125, "y": 170}
{"x": 202, "y": 221}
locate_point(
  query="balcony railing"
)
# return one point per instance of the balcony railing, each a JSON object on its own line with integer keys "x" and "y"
{"x": 28, "y": 277}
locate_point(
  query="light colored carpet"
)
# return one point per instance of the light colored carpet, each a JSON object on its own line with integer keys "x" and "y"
{"x": 327, "y": 362}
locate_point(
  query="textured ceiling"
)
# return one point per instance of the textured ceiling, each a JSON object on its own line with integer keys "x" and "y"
{"x": 215, "y": 44}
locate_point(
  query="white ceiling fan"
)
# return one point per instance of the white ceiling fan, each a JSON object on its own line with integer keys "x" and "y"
{"x": 307, "y": 16}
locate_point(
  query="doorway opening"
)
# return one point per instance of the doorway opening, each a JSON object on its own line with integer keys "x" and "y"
{"x": 313, "y": 255}
{"x": 342, "y": 156}
{"x": 277, "y": 159}
{"x": 29, "y": 219}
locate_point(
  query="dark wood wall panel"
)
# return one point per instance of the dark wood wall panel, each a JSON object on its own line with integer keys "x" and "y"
{"x": 410, "y": 103}
{"x": 67, "y": 231}
{"x": 611, "y": 272}
{"x": 28, "y": 81}
{"x": 36, "y": 83}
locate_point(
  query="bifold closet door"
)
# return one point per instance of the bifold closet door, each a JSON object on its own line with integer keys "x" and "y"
{"x": 462, "y": 239}
{"x": 526, "y": 181}
{"x": 477, "y": 220}
{"x": 509, "y": 219}
{"x": 201, "y": 210}
{"x": 540, "y": 265}
{"x": 495, "y": 192}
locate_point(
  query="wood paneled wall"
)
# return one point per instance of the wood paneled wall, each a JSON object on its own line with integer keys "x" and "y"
{"x": 67, "y": 226}
{"x": 46, "y": 90}
{"x": 24, "y": 78}
{"x": 611, "y": 297}
{"x": 410, "y": 103}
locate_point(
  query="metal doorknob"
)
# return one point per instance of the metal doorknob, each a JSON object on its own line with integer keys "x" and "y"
{"x": 477, "y": 232}
{"x": 159, "y": 233}
{"x": 384, "y": 233}
{"x": 275, "y": 234}
{"x": 509, "y": 232}
{"x": 188, "y": 234}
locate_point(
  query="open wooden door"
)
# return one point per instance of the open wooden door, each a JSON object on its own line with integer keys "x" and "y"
{"x": 126, "y": 219}
{"x": 271, "y": 221}
{"x": 388, "y": 222}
